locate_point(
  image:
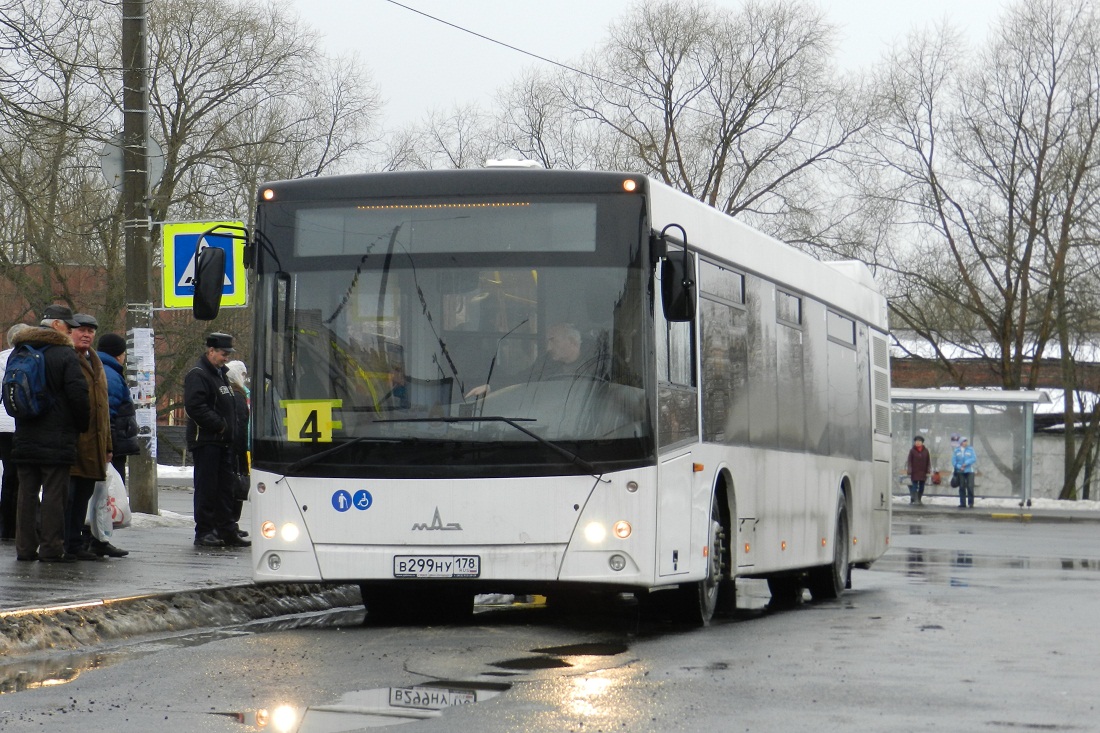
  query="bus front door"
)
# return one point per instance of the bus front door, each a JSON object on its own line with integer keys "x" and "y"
{"x": 674, "y": 482}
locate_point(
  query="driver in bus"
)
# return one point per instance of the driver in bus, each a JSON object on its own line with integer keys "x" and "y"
{"x": 564, "y": 347}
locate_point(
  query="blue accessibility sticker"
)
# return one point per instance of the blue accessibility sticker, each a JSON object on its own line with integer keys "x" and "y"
{"x": 362, "y": 499}
{"x": 341, "y": 501}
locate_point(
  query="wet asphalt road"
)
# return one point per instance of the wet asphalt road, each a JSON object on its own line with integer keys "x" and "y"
{"x": 966, "y": 625}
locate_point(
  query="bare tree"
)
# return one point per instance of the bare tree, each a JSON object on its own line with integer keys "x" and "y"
{"x": 240, "y": 94}
{"x": 993, "y": 162}
{"x": 738, "y": 108}
{"x": 54, "y": 216}
{"x": 459, "y": 137}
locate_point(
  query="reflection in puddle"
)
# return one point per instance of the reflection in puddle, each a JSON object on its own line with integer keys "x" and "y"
{"x": 526, "y": 663}
{"x": 374, "y": 708}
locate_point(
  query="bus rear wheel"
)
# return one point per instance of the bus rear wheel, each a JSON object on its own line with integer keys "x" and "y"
{"x": 827, "y": 582}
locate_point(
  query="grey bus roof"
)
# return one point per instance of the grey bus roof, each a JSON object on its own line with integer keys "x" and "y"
{"x": 744, "y": 247}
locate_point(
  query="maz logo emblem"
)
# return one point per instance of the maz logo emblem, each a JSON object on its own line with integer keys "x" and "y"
{"x": 437, "y": 523}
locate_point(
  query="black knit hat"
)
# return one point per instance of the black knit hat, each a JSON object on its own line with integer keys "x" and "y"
{"x": 112, "y": 344}
{"x": 220, "y": 341}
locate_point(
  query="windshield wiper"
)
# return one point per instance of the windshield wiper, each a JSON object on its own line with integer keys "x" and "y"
{"x": 514, "y": 422}
{"x": 298, "y": 465}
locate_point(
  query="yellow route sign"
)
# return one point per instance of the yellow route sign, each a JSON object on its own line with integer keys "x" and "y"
{"x": 310, "y": 421}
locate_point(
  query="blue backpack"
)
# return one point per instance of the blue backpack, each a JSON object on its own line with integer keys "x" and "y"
{"x": 25, "y": 392}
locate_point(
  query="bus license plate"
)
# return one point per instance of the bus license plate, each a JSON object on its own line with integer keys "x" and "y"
{"x": 436, "y": 566}
{"x": 429, "y": 698}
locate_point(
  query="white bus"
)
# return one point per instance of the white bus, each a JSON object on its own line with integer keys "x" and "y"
{"x": 517, "y": 381}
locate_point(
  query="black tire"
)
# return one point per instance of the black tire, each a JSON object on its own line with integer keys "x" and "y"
{"x": 828, "y": 582}
{"x": 697, "y": 602}
{"x": 390, "y": 606}
{"x": 786, "y": 591}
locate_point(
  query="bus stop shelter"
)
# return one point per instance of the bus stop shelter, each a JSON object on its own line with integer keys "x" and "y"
{"x": 998, "y": 423}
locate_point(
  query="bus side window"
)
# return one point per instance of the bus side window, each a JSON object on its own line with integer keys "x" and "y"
{"x": 677, "y": 399}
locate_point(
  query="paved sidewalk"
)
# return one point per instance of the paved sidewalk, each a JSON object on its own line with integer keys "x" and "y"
{"x": 1004, "y": 510}
{"x": 162, "y": 560}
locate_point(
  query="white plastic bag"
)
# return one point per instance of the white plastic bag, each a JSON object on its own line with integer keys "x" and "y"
{"x": 117, "y": 499}
{"x": 99, "y": 513}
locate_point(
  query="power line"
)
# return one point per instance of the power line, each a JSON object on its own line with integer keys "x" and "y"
{"x": 560, "y": 65}
{"x": 502, "y": 43}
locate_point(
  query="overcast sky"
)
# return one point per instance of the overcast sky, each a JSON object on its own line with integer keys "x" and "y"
{"x": 419, "y": 64}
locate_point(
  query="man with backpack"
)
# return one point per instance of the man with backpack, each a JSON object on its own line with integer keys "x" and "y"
{"x": 52, "y": 411}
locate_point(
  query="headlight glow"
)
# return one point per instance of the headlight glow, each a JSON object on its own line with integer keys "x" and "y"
{"x": 290, "y": 532}
{"x": 595, "y": 533}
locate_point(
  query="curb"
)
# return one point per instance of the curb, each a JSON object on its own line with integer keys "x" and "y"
{"x": 72, "y": 626}
{"x": 1024, "y": 515}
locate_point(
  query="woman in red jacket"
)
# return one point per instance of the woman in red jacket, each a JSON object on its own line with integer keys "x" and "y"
{"x": 918, "y": 466}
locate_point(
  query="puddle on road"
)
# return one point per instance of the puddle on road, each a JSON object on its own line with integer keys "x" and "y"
{"x": 945, "y": 566}
{"x": 381, "y": 706}
{"x": 385, "y": 706}
{"x": 51, "y": 669}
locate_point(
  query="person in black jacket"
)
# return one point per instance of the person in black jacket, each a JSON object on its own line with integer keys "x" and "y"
{"x": 44, "y": 447}
{"x": 211, "y": 426}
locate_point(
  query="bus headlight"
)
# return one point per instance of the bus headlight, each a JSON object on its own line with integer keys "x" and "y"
{"x": 621, "y": 529}
{"x": 290, "y": 532}
{"x": 616, "y": 562}
{"x": 267, "y": 530}
{"x": 274, "y": 562}
{"x": 595, "y": 533}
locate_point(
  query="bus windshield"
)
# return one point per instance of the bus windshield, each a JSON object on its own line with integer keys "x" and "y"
{"x": 435, "y": 338}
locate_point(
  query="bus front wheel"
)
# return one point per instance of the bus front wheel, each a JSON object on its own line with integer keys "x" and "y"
{"x": 697, "y": 602}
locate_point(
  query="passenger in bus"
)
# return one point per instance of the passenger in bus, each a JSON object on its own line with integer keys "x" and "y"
{"x": 397, "y": 398}
{"x": 918, "y": 465}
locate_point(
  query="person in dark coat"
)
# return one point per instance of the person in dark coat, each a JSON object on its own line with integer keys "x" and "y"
{"x": 124, "y": 428}
{"x": 211, "y": 426}
{"x": 93, "y": 450}
{"x": 44, "y": 447}
{"x": 9, "y": 488}
{"x": 918, "y": 465}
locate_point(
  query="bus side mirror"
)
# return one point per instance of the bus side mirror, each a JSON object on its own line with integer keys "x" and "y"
{"x": 678, "y": 288}
{"x": 209, "y": 280}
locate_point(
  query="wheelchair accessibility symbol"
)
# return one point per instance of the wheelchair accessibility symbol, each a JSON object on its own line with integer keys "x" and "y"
{"x": 362, "y": 500}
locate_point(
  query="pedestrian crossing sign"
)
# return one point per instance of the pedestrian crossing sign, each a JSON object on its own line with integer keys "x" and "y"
{"x": 179, "y": 240}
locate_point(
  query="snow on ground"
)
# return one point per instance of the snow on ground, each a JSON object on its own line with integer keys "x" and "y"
{"x": 1007, "y": 503}
{"x": 166, "y": 519}
{"x": 175, "y": 471}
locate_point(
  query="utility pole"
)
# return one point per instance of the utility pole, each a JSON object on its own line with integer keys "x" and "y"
{"x": 142, "y": 484}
